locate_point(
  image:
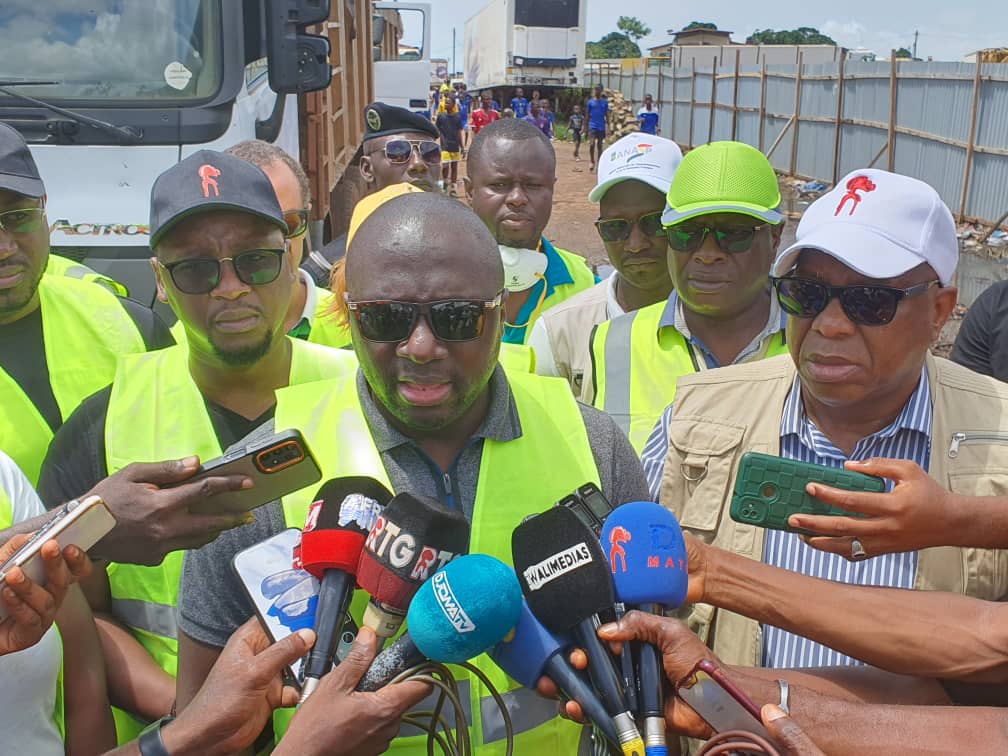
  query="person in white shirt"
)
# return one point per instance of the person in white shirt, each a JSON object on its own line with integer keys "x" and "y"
{"x": 34, "y": 703}
{"x": 634, "y": 175}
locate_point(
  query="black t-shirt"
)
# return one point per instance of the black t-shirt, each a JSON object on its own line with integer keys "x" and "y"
{"x": 75, "y": 462}
{"x": 449, "y": 125}
{"x": 330, "y": 253}
{"x": 23, "y": 357}
{"x": 982, "y": 343}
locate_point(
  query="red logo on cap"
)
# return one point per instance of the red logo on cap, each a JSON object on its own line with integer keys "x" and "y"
{"x": 209, "y": 175}
{"x": 617, "y": 538}
{"x": 855, "y": 185}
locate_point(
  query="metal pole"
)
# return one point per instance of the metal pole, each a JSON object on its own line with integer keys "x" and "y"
{"x": 454, "y": 67}
{"x": 839, "y": 122}
{"x": 734, "y": 117}
{"x": 797, "y": 116}
{"x": 692, "y": 107}
{"x": 713, "y": 100}
{"x": 892, "y": 112}
{"x": 968, "y": 169}
{"x": 762, "y": 105}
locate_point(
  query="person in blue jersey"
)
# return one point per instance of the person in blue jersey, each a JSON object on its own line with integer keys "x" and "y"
{"x": 519, "y": 104}
{"x": 598, "y": 109}
{"x": 648, "y": 116}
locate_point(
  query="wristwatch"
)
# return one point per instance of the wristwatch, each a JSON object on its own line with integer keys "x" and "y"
{"x": 150, "y": 741}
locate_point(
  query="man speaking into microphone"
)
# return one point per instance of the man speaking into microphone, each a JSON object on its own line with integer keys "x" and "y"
{"x": 430, "y": 412}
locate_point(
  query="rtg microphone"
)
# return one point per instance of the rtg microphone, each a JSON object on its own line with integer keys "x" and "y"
{"x": 343, "y": 513}
{"x": 533, "y": 652}
{"x": 647, "y": 556}
{"x": 566, "y": 581}
{"x": 462, "y": 611}
{"x": 413, "y": 538}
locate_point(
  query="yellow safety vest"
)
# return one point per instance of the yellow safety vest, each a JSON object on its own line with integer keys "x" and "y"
{"x": 516, "y": 358}
{"x": 156, "y": 412}
{"x": 85, "y": 329}
{"x": 324, "y": 329}
{"x": 517, "y": 478}
{"x": 635, "y": 373}
{"x": 62, "y": 266}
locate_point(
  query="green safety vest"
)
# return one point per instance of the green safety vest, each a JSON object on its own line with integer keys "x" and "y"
{"x": 583, "y": 279}
{"x": 324, "y": 329}
{"x": 635, "y": 374}
{"x": 85, "y": 329}
{"x": 156, "y": 412}
{"x": 516, "y": 358}
{"x": 59, "y": 714}
{"x": 62, "y": 266}
{"x": 517, "y": 478}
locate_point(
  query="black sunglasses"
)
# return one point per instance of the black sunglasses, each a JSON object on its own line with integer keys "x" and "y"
{"x": 619, "y": 229}
{"x": 25, "y": 220}
{"x": 729, "y": 240}
{"x": 451, "y": 320}
{"x": 399, "y": 151}
{"x": 297, "y": 222}
{"x": 866, "y": 305}
{"x": 202, "y": 275}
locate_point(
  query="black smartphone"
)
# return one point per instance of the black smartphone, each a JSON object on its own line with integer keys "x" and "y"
{"x": 278, "y": 466}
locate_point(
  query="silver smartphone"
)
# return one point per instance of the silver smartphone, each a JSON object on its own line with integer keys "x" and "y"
{"x": 284, "y": 598}
{"x": 78, "y": 523}
{"x": 722, "y": 704}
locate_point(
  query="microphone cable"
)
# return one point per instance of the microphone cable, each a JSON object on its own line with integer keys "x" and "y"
{"x": 452, "y": 741}
{"x": 737, "y": 742}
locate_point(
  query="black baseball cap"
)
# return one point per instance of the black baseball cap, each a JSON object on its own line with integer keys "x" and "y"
{"x": 18, "y": 172}
{"x": 385, "y": 120}
{"x": 209, "y": 180}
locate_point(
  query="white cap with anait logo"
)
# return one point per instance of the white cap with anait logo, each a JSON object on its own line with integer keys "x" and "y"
{"x": 645, "y": 157}
{"x": 880, "y": 224}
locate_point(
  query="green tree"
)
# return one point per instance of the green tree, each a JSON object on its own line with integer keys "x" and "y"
{"x": 613, "y": 45}
{"x": 699, "y": 25}
{"x": 803, "y": 35}
{"x": 633, "y": 27}
{"x": 903, "y": 53}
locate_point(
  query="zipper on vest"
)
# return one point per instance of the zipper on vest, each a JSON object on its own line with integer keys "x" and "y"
{"x": 969, "y": 437}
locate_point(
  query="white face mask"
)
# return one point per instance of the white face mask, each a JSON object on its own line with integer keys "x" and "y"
{"x": 522, "y": 267}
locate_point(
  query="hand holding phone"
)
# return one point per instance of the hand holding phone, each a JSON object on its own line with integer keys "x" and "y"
{"x": 719, "y": 702}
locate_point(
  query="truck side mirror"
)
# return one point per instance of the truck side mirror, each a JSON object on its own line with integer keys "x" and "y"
{"x": 298, "y": 62}
{"x": 377, "y": 29}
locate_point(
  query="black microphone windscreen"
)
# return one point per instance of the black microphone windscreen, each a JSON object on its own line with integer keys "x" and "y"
{"x": 562, "y": 569}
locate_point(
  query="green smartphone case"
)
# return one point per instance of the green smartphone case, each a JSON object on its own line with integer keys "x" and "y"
{"x": 770, "y": 489}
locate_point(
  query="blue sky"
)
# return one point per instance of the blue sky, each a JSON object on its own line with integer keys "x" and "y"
{"x": 948, "y": 31}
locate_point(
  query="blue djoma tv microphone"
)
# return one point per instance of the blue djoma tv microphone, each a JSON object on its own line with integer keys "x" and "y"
{"x": 647, "y": 556}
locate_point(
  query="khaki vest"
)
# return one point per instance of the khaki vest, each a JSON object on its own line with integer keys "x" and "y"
{"x": 723, "y": 413}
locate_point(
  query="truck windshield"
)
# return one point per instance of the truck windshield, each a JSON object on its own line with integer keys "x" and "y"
{"x": 111, "y": 49}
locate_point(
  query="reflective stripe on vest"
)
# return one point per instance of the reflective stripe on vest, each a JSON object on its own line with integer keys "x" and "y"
{"x": 635, "y": 374}
{"x": 516, "y": 478}
{"x": 63, "y": 266}
{"x": 155, "y": 413}
{"x": 84, "y": 329}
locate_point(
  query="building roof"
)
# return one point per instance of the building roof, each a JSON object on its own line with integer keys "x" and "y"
{"x": 698, "y": 30}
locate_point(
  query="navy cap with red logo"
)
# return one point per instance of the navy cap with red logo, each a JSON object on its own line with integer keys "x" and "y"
{"x": 208, "y": 180}
{"x": 18, "y": 172}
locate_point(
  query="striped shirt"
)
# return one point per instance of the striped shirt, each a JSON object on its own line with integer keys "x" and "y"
{"x": 907, "y": 437}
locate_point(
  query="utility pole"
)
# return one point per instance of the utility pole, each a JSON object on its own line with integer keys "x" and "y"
{"x": 916, "y": 34}
{"x": 455, "y": 69}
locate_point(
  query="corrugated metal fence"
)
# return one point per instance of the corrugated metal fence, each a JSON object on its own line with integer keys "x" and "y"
{"x": 944, "y": 123}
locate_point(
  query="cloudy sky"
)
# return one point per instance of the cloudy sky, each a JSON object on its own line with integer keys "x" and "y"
{"x": 948, "y": 31}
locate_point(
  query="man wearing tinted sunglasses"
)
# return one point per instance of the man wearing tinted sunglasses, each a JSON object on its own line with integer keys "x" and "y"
{"x": 633, "y": 177}
{"x": 398, "y": 146}
{"x": 722, "y": 224}
{"x": 433, "y": 413}
{"x": 511, "y": 171}
{"x": 59, "y": 337}
{"x": 221, "y": 262}
{"x": 867, "y": 287}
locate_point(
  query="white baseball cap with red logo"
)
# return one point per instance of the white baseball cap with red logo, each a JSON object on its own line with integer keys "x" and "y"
{"x": 880, "y": 224}
{"x": 645, "y": 157}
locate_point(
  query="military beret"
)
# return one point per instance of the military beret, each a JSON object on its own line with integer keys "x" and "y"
{"x": 381, "y": 120}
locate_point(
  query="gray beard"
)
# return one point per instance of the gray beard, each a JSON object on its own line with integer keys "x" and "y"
{"x": 246, "y": 356}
